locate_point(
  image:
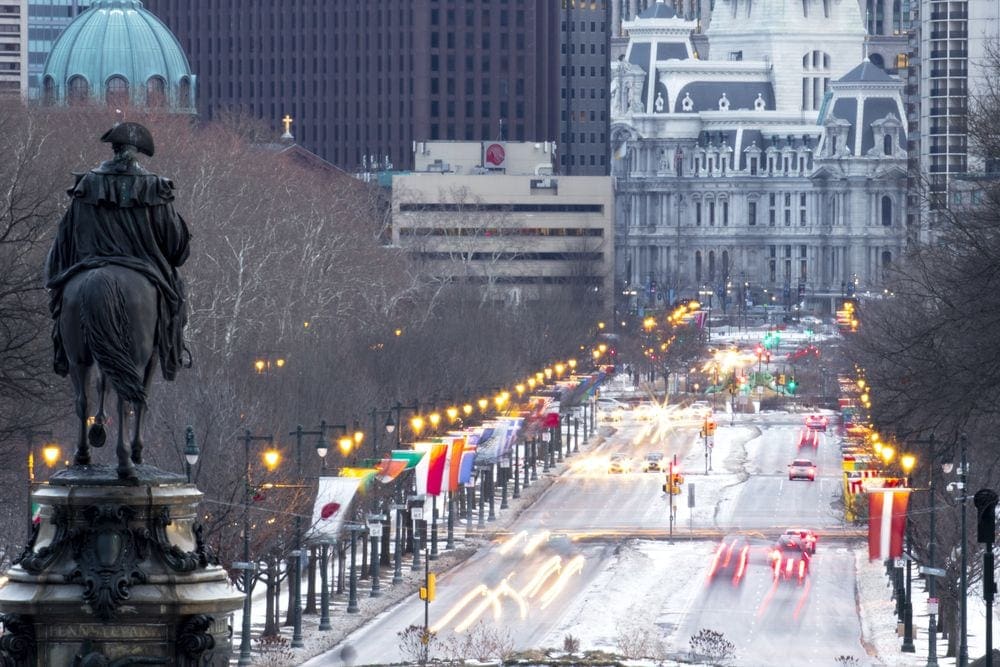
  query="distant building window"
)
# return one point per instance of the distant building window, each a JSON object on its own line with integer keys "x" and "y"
{"x": 116, "y": 92}
{"x": 156, "y": 92}
{"x": 49, "y": 91}
{"x": 752, "y": 214}
{"x": 184, "y": 93}
{"x": 78, "y": 91}
{"x": 886, "y": 212}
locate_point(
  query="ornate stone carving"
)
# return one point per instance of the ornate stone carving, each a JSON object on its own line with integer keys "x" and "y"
{"x": 36, "y": 562}
{"x": 193, "y": 638}
{"x": 107, "y": 554}
{"x": 173, "y": 556}
{"x": 88, "y": 657}
{"x": 17, "y": 644}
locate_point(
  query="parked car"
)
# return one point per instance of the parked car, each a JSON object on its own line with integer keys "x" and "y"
{"x": 653, "y": 462}
{"x": 802, "y": 469}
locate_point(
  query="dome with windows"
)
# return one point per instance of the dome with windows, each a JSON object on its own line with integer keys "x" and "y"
{"x": 118, "y": 53}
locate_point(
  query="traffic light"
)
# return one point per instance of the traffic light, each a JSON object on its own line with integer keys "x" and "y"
{"x": 430, "y": 591}
{"x": 710, "y": 428}
{"x": 791, "y": 386}
{"x": 781, "y": 378}
{"x": 986, "y": 520}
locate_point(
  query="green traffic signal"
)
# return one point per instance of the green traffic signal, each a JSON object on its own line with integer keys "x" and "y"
{"x": 792, "y": 384}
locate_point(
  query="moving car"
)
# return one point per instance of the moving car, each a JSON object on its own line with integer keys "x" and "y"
{"x": 807, "y": 537}
{"x": 730, "y": 560}
{"x": 809, "y": 438}
{"x": 790, "y": 559}
{"x": 802, "y": 469}
{"x": 817, "y": 422}
{"x": 653, "y": 462}
{"x": 611, "y": 410}
{"x": 700, "y": 410}
{"x": 619, "y": 464}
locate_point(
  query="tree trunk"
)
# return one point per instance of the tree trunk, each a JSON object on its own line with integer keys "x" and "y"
{"x": 311, "y": 583}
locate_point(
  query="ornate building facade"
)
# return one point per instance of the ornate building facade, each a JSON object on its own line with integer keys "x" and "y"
{"x": 772, "y": 173}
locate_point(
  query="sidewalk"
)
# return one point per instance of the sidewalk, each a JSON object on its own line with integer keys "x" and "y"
{"x": 467, "y": 542}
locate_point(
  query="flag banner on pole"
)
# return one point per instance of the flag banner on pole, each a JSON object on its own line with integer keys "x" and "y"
{"x": 411, "y": 457}
{"x": 333, "y": 505}
{"x": 430, "y": 470}
{"x": 886, "y": 523}
{"x": 454, "y": 463}
{"x": 389, "y": 469}
{"x": 468, "y": 463}
{"x": 422, "y": 468}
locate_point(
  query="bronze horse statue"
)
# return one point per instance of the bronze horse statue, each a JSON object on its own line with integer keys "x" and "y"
{"x": 109, "y": 318}
{"x": 116, "y": 297}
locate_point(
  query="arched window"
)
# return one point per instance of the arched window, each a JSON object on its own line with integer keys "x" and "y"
{"x": 815, "y": 79}
{"x": 697, "y": 267}
{"x": 887, "y": 144}
{"x": 711, "y": 266}
{"x": 877, "y": 60}
{"x": 886, "y": 211}
{"x": 78, "y": 91}
{"x": 49, "y": 91}
{"x": 156, "y": 92}
{"x": 116, "y": 92}
{"x": 184, "y": 93}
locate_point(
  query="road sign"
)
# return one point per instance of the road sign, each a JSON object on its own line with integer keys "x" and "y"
{"x": 241, "y": 565}
{"x": 898, "y": 563}
{"x": 932, "y": 605}
{"x": 711, "y": 441}
{"x": 932, "y": 571}
{"x": 417, "y": 513}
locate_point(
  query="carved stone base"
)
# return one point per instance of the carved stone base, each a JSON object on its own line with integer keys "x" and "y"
{"x": 116, "y": 573}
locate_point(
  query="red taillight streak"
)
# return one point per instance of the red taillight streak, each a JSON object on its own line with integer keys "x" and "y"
{"x": 788, "y": 567}
{"x": 742, "y": 566}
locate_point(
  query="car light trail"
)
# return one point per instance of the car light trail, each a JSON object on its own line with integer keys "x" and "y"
{"x": 481, "y": 589}
{"x": 514, "y": 539}
{"x": 574, "y": 566}
{"x": 548, "y": 567}
{"x": 535, "y": 542}
{"x": 493, "y": 598}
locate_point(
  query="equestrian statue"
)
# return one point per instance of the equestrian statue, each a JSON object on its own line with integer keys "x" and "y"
{"x": 116, "y": 297}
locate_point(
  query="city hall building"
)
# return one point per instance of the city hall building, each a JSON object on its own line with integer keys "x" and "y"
{"x": 773, "y": 172}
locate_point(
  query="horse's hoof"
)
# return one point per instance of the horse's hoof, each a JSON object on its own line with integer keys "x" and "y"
{"x": 127, "y": 473}
{"x": 136, "y": 458}
{"x": 81, "y": 459}
{"x": 96, "y": 436}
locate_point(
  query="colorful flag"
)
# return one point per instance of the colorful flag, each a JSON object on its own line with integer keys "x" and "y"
{"x": 333, "y": 505}
{"x": 455, "y": 463}
{"x": 886, "y": 522}
{"x": 389, "y": 469}
{"x": 468, "y": 464}
{"x": 435, "y": 469}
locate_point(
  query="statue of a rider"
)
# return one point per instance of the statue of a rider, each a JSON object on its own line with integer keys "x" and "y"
{"x": 120, "y": 214}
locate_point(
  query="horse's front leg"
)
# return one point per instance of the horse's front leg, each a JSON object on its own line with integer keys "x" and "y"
{"x": 140, "y": 410}
{"x": 98, "y": 434}
{"x": 125, "y": 468}
{"x": 80, "y": 376}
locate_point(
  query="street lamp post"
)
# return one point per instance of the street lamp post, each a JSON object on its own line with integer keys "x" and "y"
{"x": 963, "y": 643}
{"x": 906, "y": 462}
{"x": 324, "y": 595}
{"x": 191, "y": 452}
{"x": 397, "y": 574}
{"x": 352, "y": 599}
{"x": 375, "y": 530}
{"x": 247, "y": 566}
{"x": 517, "y": 468}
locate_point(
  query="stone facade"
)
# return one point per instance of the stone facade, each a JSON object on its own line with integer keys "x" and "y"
{"x": 775, "y": 171}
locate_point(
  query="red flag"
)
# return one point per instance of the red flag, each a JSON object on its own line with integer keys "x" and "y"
{"x": 329, "y": 510}
{"x": 886, "y": 522}
{"x": 435, "y": 469}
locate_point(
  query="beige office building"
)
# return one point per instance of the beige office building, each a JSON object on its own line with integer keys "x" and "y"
{"x": 492, "y": 214}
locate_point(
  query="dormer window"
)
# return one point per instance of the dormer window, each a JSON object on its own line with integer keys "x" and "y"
{"x": 887, "y": 144}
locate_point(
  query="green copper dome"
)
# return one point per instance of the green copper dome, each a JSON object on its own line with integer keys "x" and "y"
{"x": 119, "y": 54}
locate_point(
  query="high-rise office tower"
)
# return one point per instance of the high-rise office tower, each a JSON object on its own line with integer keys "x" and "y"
{"x": 364, "y": 80}
{"x": 46, "y": 21}
{"x": 584, "y": 69}
{"x": 949, "y": 56}
{"x": 13, "y": 47}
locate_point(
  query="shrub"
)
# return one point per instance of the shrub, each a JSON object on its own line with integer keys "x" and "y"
{"x": 712, "y": 645}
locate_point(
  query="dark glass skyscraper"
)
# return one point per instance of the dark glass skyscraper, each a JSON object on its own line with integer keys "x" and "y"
{"x": 369, "y": 79}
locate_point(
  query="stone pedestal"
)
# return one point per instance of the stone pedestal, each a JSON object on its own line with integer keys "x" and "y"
{"x": 116, "y": 574}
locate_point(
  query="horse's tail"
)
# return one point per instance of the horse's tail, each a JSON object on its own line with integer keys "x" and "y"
{"x": 108, "y": 335}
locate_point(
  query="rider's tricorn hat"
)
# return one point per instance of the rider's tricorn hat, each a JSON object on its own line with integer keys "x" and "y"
{"x": 132, "y": 134}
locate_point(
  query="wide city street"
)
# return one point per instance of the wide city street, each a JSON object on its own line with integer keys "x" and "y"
{"x": 594, "y": 555}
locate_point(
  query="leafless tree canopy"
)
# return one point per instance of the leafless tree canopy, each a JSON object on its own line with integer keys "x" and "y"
{"x": 288, "y": 263}
{"x": 929, "y": 352}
